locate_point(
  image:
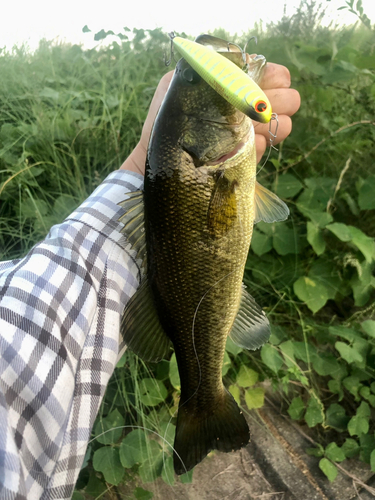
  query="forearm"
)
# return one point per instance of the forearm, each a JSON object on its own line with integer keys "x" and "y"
{"x": 60, "y": 310}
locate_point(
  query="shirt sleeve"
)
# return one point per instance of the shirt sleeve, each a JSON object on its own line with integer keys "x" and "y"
{"x": 60, "y": 310}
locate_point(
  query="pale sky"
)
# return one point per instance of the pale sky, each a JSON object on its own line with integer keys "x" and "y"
{"x": 30, "y": 20}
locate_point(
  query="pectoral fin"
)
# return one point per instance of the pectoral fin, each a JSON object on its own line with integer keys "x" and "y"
{"x": 268, "y": 206}
{"x": 133, "y": 220}
{"x": 141, "y": 328}
{"x": 251, "y": 328}
{"x": 222, "y": 211}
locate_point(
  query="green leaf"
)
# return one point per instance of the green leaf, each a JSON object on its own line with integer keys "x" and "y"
{"x": 362, "y": 284}
{"x": 246, "y": 377}
{"x": 313, "y": 293}
{"x": 336, "y": 417}
{"x": 372, "y": 460}
{"x": 77, "y": 496}
{"x": 352, "y": 384}
{"x": 230, "y": 347}
{"x": 348, "y": 353}
{"x": 342, "y": 231}
{"x": 187, "y": 478}
{"x": 141, "y": 494}
{"x": 152, "y": 391}
{"x": 363, "y": 242}
{"x": 334, "y": 453}
{"x": 367, "y": 442}
{"x": 335, "y": 387}
{"x": 369, "y": 327}
{"x": 133, "y": 448}
{"x": 350, "y": 448}
{"x": 227, "y": 363}
{"x": 285, "y": 240}
{"x": 107, "y": 461}
{"x": 314, "y": 414}
{"x": 236, "y": 393}
{"x": 260, "y": 243}
{"x": 167, "y": 432}
{"x": 296, "y": 408}
{"x": 278, "y": 334}
{"x": 305, "y": 351}
{"x": 96, "y": 486}
{"x": 254, "y": 398}
{"x": 366, "y": 198}
{"x": 344, "y": 332}
{"x": 271, "y": 357}
{"x": 315, "y": 238}
{"x": 103, "y": 432}
{"x": 288, "y": 352}
{"x": 287, "y": 186}
{"x": 174, "y": 376}
{"x": 315, "y": 452}
{"x": 359, "y": 424}
{"x": 151, "y": 468}
{"x": 329, "y": 469}
{"x": 167, "y": 473}
{"x": 326, "y": 364}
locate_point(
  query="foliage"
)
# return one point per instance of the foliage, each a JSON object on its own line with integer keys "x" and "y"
{"x": 74, "y": 114}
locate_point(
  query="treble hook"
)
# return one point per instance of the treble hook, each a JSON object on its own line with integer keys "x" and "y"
{"x": 171, "y": 36}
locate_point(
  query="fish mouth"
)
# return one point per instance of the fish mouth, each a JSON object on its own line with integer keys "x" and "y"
{"x": 236, "y": 151}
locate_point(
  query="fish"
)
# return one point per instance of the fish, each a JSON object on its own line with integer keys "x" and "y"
{"x": 191, "y": 228}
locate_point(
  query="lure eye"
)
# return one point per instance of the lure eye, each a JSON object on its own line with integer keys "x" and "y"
{"x": 260, "y": 106}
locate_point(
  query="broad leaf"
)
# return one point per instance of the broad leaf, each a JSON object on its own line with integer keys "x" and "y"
{"x": 246, "y": 377}
{"x": 296, "y": 408}
{"x": 107, "y": 461}
{"x": 315, "y": 413}
{"x": 254, "y": 398}
{"x": 329, "y": 469}
{"x": 152, "y": 391}
{"x": 271, "y": 357}
{"x": 310, "y": 291}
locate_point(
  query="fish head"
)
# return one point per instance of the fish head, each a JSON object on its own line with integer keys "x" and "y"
{"x": 197, "y": 121}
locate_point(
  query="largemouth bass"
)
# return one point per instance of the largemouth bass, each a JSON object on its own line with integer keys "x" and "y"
{"x": 192, "y": 226}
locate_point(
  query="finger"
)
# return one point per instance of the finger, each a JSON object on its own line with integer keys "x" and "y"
{"x": 275, "y": 76}
{"x": 284, "y": 129}
{"x": 284, "y": 101}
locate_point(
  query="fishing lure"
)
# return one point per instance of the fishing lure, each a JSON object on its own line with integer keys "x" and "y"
{"x": 230, "y": 81}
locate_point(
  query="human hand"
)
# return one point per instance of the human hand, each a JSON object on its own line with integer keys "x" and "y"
{"x": 275, "y": 83}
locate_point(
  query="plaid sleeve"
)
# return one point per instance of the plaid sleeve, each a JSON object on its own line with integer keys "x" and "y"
{"x": 60, "y": 309}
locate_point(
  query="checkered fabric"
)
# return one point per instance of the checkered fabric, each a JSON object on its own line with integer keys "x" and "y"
{"x": 60, "y": 309}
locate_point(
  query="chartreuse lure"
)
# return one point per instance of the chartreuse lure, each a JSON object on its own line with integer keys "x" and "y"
{"x": 228, "y": 79}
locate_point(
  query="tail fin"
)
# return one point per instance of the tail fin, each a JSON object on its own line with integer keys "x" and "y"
{"x": 224, "y": 429}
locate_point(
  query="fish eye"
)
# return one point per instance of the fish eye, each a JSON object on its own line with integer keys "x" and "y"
{"x": 260, "y": 106}
{"x": 190, "y": 75}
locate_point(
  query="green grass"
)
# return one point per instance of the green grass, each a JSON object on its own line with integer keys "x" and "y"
{"x": 69, "y": 117}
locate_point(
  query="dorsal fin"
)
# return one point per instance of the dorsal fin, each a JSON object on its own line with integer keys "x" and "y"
{"x": 251, "y": 328}
{"x": 268, "y": 206}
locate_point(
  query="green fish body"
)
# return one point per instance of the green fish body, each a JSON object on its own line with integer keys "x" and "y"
{"x": 201, "y": 200}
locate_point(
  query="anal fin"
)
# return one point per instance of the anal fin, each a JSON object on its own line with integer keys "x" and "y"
{"x": 141, "y": 327}
{"x": 251, "y": 328}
